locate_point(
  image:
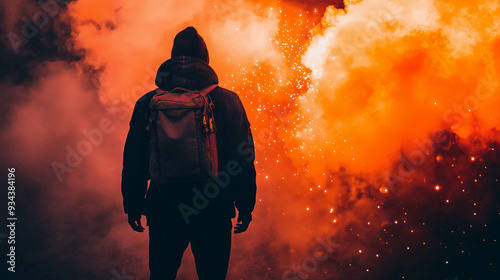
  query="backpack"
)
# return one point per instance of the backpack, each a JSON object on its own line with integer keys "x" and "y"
{"x": 182, "y": 145}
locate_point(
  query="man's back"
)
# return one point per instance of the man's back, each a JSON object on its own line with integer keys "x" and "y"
{"x": 199, "y": 212}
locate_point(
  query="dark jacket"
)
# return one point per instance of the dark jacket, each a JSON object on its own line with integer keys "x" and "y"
{"x": 234, "y": 142}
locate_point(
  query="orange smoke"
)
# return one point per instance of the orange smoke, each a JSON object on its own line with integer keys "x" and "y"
{"x": 334, "y": 103}
{"x": 385, "y": 74}
{"x": 372, "y": 79}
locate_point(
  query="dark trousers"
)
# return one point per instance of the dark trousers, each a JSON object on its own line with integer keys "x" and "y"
{"x": 210, "y": 243}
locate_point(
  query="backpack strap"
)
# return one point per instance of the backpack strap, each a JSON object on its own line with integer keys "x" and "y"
{"x": 207, "y": 90}
{"x": 208, "y": 111}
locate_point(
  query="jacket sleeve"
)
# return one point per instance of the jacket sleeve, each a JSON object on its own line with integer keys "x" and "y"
{"x": 244, "y": 152}
{"x": 135, "y": 173}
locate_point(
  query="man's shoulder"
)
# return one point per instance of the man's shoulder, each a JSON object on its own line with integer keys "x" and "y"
{"x": 219, "y": 94}
{"x": 141, "y": 107}
{"x": 145, "y": 99}
{"x": 226, "y": 95}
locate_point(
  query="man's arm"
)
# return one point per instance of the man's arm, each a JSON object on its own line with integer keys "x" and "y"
{"x": 245, "y": 187}
{"x": 135, "y": 174}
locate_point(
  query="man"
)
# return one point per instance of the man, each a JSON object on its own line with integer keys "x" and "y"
{"x": 182, "y": 213}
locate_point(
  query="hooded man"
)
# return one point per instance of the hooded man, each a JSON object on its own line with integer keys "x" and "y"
{"x": 182, "y": 214}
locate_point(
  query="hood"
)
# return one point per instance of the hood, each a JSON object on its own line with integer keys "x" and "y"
{"x": 187, "y": 72}
{"x": 189, "y": 43}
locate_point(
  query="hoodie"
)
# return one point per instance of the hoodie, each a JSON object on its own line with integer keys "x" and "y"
{"x": 188, "y": 68}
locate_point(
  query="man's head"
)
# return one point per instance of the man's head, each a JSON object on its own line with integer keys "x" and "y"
{"x": 189, "y": 43}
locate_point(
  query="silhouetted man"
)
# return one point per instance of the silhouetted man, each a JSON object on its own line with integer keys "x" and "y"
{"x": 198, "y": 213}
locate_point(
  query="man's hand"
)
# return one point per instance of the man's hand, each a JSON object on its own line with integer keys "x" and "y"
{"x": 135, "y": 222}
{"x": 241, "y": 226}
